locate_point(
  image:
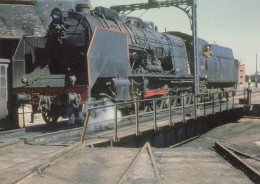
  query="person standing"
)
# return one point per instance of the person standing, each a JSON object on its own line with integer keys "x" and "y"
{"x": 249, "y": 82}
{"x": 208, "y": 54}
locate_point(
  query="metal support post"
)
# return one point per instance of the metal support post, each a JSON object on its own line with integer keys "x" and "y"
{"x": 155, "y": 127}
{"x": 183, "y": 110}
{"x": 227, "y": 100}
{"x": 204, "y": 104}
{"x": 85, "y": 127}
{"x": 195, "y": 47}
{"x": 115, "y": 125}
{"x": 170, "y": 112}
{"x": 23, "y": 118}
{"x": 195, "y": 106}
{"x": 249, "y": 91}
{"x": 137, "y": 118}
{"x": 213, "y": 104}
{"x": 256, "y": 75}
{"x": 244, "y": 99}
{"x": 233, "y": 99}
{"x": 220, "y": 102}
{"x": 32, "y": 116}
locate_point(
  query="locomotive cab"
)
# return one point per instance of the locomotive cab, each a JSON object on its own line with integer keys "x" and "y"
{"x": 50, "y": 73}
{"x": 57, "y": 74}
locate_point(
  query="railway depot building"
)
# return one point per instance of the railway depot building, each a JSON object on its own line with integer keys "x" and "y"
{"x": 242, "y": 73}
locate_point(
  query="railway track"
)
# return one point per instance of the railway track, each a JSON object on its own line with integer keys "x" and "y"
{"x": 39, "y": 138}
{"x": 125, "y": 165}
{"x": 152, "y": 166}
{"x": 52, "y": 159}
{"x": 31, "y": 154}
{"x": 10, "y": 139}
{"x": 232, "y": 156}
{"x": 61, "y": 143}
{"x": 124, "y": 175}
{"x": 128, "y": 178}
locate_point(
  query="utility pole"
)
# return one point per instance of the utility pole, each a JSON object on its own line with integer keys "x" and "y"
{"x": 195, "y": 47}
{"x": 256, "y": 76}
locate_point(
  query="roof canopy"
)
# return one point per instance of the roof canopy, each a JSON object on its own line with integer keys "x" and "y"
{"x": 28, "y": 16}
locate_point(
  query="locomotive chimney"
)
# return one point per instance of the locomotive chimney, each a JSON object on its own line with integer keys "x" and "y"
{"x": 83, "y": 7}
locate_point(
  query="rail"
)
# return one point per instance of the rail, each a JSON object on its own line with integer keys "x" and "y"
{"x": 229, "y": 154}
{"x": 146, "y": 147}
{"x": 198, "y": 102}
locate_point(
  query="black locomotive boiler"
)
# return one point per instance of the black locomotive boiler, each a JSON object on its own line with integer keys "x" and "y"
{"x": 101, "y": 54}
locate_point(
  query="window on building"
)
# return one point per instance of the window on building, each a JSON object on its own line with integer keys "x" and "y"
{"x": 241, "y": 70}
{"x": 241, "y": 77}
{"x": 3, "y": 81}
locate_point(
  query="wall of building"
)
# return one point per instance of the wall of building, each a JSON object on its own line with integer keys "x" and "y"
{"x": 242, "y": 73}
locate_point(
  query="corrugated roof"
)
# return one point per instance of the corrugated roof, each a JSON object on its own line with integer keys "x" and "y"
{"x": 26, "y": 2}
{"x": 17, "y": 19}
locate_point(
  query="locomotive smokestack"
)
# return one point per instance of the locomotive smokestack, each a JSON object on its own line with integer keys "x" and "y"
{"x": 83, "y": 7}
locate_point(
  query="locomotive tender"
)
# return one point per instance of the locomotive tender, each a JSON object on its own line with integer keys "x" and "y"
{"x": 90, "y": 55}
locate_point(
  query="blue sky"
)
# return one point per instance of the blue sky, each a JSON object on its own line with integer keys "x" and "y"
{"x": 231, "y": 23}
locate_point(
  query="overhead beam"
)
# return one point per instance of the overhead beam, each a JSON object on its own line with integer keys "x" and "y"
{"x": 151, "y": 5}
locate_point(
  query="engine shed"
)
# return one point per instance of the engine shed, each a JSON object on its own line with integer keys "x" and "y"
{"x": 20, "y": 18}
{"x": 4, "y": 87}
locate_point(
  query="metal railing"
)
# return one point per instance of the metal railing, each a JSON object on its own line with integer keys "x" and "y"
{"x": 215, "y": 101}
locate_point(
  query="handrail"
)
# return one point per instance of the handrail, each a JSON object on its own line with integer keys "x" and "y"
{"x": 85, "y": 126}
{"x": 198, "y": 100}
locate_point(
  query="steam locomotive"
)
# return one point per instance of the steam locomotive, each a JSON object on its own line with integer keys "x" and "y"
{"x": 92, "y": 55}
